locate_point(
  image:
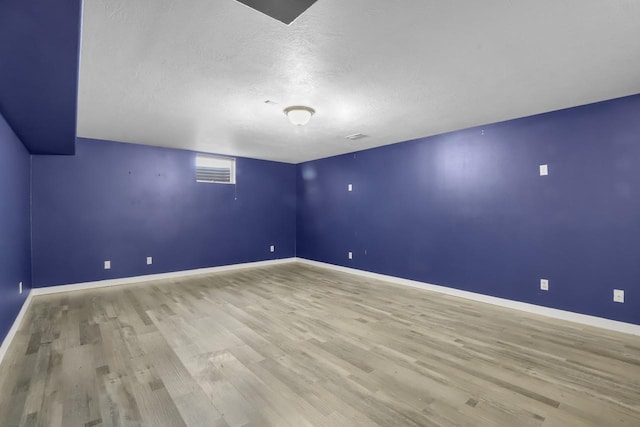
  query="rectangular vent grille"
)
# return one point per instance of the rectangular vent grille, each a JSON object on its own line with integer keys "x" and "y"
{"x": 356, "y": 136}
{"x": 214, "y": 169}
{"x": 214, "y": 175}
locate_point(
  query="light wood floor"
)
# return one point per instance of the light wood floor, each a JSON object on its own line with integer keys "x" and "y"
{"x": 293, "y": 345}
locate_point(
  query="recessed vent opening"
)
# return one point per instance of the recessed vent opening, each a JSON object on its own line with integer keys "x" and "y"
{"x": 285, "y": 11}
{"x": 356, "y": 136}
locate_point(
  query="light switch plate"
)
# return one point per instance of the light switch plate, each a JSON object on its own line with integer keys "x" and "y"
{"x": 544, "y": 284}
{"x": 618, "y": 295}
{"x": 544, "y": 170}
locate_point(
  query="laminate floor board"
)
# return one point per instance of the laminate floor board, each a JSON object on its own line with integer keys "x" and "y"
{"x": 297, "y": 345}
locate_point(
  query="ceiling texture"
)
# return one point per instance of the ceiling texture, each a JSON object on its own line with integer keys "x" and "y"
{"x": 196, "y": 75}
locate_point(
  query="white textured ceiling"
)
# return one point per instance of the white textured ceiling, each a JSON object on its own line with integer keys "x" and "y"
{"x": 196, "y": 74}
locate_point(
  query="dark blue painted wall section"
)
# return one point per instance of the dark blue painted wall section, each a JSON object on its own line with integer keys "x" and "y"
{"x": 15, "y": 230}
{"x": 125, "y": 202}
{"x": 39, "y": 57}
{"x": 469, "y": 210}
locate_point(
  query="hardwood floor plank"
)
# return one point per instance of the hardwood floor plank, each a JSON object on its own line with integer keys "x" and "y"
{"x": 294, "y": 345}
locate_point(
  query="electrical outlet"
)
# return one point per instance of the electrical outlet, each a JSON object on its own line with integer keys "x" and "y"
{"x": 618, "y": 295}
{"x": 272, "y": 248}
{"x": 107, "y": 265}
{"x": 20, "y": 287}
{"x": 350, "y": 255}
{"x": 544, "y": 170}
{"x": 544, "y": 284}
{"x": 350, "y": 187}
{"x": 149, "y": 260}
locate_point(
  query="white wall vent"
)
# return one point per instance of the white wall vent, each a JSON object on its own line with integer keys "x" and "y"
{"x": 356, "y": 136}
{"x": 214, "y": 169}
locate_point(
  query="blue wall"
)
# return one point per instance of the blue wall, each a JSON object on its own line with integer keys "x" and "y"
{"x": 15, "y": 231}
{"x": 124, "y": 202}
{"x": 39, "y": 53}
{"x": 469, "y": 210}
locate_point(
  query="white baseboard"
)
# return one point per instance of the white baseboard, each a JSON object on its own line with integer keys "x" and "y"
{"x": 584, "y": 319}
{"x": 599, "y": 322}
{"x": 123, "y": 281}
{"x": 149, "y": 277}
{"x": 15, "y": 327}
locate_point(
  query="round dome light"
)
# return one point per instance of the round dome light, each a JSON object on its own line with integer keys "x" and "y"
{"x": 299, "y": 115}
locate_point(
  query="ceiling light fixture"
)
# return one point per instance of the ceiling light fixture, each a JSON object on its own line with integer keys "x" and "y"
{"x": 299, "y": 115}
